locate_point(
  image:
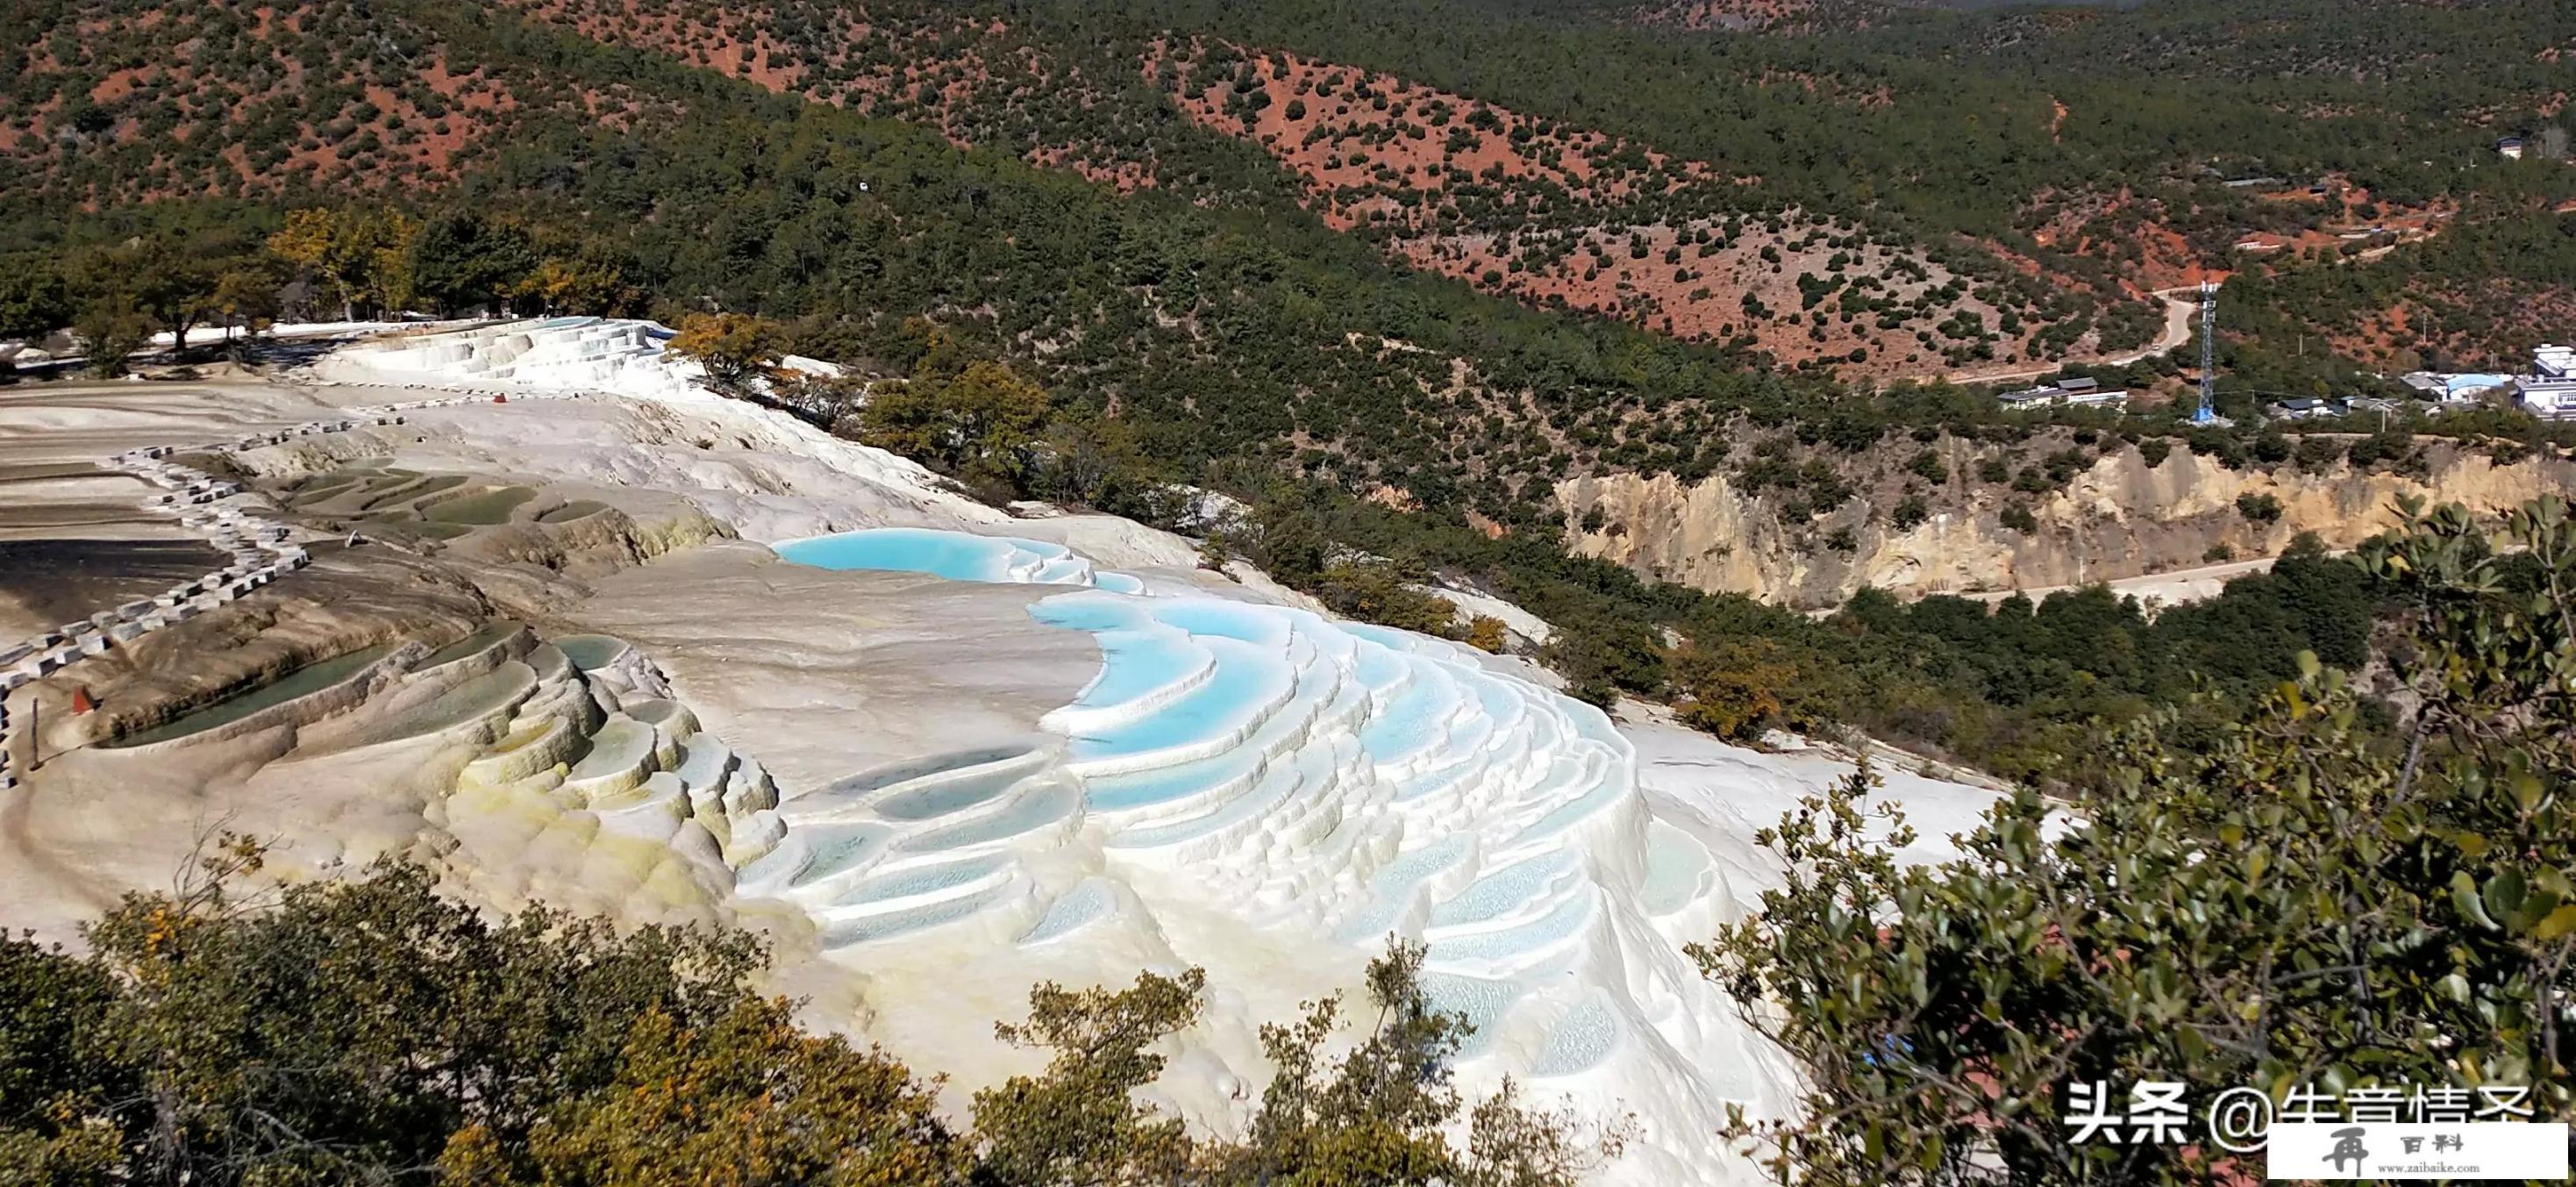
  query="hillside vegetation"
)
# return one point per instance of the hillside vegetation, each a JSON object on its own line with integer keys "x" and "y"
{"x": 369, "y": 1030}
{"x": 1387, "y": 274}
{"x": 1189, "y": 313}
{"x": 1778, "y": 192}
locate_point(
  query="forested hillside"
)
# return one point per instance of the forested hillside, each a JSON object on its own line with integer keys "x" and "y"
{"x": 111, "y": 103}
{"x": 1549, "y": 212}
{"x": 1875, "y": 189}
{"x": 1872, "y": 189}
{"x": 1178, "y": 307}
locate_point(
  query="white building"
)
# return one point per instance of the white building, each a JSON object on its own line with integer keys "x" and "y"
{"x": 2549, "y": 399}
{"x": 2079, "y": 390}
{"x": 2550, "y": 390}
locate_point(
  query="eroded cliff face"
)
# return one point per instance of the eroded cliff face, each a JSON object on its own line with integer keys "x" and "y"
{"x": 2120, "y": 518}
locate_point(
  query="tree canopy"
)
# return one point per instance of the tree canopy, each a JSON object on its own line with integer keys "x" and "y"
{"x": 2287, "y": 905}
{"x": 368, "y": 1030}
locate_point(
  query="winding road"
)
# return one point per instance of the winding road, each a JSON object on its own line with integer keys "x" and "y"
{"x": 2179, "y": 311}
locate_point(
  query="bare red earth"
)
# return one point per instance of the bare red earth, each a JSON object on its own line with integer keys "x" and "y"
{"x": 1549, "y": 213}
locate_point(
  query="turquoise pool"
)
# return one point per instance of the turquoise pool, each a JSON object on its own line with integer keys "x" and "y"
{"x": 311, "y": 678}
{"x": 957, "y": 556}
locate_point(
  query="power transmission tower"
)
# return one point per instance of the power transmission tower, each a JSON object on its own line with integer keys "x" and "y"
{"x": 2208, "y": 354}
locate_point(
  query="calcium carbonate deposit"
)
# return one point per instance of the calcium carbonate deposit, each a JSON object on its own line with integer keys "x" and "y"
{"x": 1239, "y": 784}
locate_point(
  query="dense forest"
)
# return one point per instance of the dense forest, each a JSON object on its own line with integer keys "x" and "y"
{"x": 2281, "y": 903}
{"x": 1185, "y": 309}
{"x": 1767, "y": 192}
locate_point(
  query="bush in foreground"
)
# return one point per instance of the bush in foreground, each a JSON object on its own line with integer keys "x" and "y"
{"x": 2292, "y": 905}
{"x": 370, "y": 1031}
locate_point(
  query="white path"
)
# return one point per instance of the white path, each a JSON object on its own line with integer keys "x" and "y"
{"x": 2178, "y": 318}
{"x": 212, "y": 510}
{"x": 2171, "y": 588}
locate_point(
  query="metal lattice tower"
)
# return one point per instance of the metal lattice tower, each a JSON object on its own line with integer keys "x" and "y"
{"x": 2208, "y": 354}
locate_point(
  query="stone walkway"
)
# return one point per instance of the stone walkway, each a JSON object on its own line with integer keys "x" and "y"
{"x": 260, "y": 549}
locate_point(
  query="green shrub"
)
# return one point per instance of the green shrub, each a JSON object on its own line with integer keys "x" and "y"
{"x": 2288, "y": 901}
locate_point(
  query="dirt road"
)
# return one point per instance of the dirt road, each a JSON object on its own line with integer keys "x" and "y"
{"x": 2169, "y": 588}
{"x": 2181, "y": 305}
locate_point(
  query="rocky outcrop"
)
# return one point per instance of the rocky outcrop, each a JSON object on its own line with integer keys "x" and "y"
{"x": 2120, "y": 518}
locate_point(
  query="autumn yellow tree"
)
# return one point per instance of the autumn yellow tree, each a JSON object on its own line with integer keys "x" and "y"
{"x": 575, "y": 284}
{"x": 978, "y": 422}
{"x": 735, "y": 348}
{"x": 360, "y": 256}
{"x": 1733, "y": 688}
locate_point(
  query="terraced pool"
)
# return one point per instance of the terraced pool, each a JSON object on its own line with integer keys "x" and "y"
{"x": 957, "y": 556}
{"x": 482, "y": 509}
{"x": 304, "y": 681}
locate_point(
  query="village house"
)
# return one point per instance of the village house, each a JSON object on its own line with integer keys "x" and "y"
{"x": 2550, "y": 390}
{"x": 2078, "y": 390}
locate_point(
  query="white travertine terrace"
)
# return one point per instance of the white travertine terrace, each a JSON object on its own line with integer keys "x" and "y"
{"x": 1263, "y": 790}
{"x": 593, "y": 747}
{"x": 260, "y": 548}
{"x": 1331, "y": 784}
{"x": 596, "y": 350}
{"x": 1251, "y": 787}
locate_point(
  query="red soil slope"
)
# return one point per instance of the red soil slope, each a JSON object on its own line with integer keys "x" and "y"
{"x": 959, "y": 73}
{"x": 141, "y": 95}
{"x": 1568, "y": 217}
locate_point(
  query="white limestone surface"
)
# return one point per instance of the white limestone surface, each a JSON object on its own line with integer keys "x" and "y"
{"x": 1172, "y": 781}
{"x": 979, "y": 787}
{"x": 770, "y": 475}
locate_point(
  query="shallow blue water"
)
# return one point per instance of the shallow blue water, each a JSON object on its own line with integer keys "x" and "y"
{"x": 1211, "y": 708}
{"x": 1379, "y": 667}
{"x": 1155, "y": 785}
{"x": 957, "y": 556}
{"x": 1561, "y": 921}
{"x": 1387, "y": 637}
{"x": 1410, "y": 720}
{"x": 838, "y": 847}
{"x": 953, "y": 555}
{"x": 1483, "y": 1003}
{"x": 949, "y": 795}
{"x": 1089, "y": 901}
{"x": 1674, "y": 866}
{"x": 926, "y": 880}
{"x": 909, "y": 920}
{"x": 303, "y": 681}
{"x": 1497, "y": 893}
{"x": 1584, "y": 1038}
{"x": 1395, "y": 886}
{"x": 1085, "y": 612}
{"x": 1133, "y": 663}
{"x": 1603, "y": 793}
{"x": 1224, "y": 620}
{"x": 1032, "y": 810}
